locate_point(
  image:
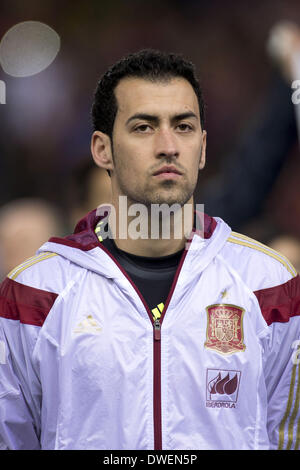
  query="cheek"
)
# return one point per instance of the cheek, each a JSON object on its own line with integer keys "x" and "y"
{"x": 195, "y": 158}
{"x": 129, "y": 158}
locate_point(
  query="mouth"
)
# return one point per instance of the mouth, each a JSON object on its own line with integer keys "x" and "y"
{"x": 167, "y": 171}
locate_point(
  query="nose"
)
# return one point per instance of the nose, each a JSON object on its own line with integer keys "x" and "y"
{"x": 166, "y": 144}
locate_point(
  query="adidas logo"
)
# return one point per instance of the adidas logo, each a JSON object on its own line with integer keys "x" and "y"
{"x": 157, "y": 311}
{"x": 88, "y": 325}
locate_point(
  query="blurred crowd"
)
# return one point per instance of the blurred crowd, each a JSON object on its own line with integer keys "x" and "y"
{"x": 246, "y": 57}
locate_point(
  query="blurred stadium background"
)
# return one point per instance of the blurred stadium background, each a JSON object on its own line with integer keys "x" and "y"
{"x": 45, "y": 124}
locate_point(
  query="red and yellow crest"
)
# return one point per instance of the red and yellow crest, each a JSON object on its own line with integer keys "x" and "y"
{"x": 224, "y": 332}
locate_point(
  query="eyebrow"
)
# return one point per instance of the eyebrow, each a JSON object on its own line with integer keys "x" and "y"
{"x": 155, "y": 119}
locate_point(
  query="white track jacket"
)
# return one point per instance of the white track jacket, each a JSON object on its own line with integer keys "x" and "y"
{"x": 84, "y": 366}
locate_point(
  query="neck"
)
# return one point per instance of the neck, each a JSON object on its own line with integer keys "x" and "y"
{"x": 158, "y": 230}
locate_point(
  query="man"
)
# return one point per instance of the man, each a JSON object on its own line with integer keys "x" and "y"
{"x": 111, "y": 340}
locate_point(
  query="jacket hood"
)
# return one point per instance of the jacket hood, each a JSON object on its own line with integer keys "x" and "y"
{"x": 83, "y": 247}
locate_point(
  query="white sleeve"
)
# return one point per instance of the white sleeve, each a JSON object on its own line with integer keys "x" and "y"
{"x": 281, "y": 308}
{"x": 19, "y": 428}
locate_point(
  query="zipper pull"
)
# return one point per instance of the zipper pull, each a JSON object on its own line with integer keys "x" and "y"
{"x": 157, "y": 330}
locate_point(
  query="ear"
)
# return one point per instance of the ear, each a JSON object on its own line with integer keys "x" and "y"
{"x": 101, "y": 150}
{"x": 203, "y": 151}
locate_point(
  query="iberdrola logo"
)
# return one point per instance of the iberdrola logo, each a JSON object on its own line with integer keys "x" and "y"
{"x": 222, "y": 388}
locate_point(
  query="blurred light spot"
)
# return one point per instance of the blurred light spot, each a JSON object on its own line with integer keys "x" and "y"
{"x": 28, "y": 48}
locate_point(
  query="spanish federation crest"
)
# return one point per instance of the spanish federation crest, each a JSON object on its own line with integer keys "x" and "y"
{"x": 224, "y": 332}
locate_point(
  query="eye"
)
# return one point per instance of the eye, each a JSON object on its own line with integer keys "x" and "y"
{"x": 142, "y": 128}
{"x": 184, "y": 127}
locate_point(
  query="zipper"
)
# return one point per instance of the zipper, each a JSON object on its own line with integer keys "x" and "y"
{"x": 157, "y": 363}
{"x": 157, "y": 326}
{"x": 157, "y": 385}
{"x": 157, "y": 425}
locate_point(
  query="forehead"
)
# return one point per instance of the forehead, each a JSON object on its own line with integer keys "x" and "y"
{"x": 136, "y": 95}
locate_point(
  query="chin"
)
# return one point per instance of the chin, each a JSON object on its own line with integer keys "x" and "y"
{"x": 169, "y": 199}
{"x": 169, "y": 193}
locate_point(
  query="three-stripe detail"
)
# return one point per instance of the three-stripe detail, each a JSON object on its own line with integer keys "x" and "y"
{"x": 29, "y": 262}
{"x": 287, "y": 424}
{"x": 251, "y": 243}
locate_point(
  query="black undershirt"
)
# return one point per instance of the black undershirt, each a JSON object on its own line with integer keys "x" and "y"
{"x": 152, "y": 276}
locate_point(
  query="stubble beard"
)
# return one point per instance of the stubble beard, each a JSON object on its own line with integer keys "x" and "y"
{"x": 166, "y": 192}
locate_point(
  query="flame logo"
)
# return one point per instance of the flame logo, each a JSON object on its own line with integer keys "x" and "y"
{"x": 223, "y": 386}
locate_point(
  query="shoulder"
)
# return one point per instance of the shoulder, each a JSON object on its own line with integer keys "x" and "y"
{"x": 258, "y": 265}
{"x": 30, "y": 290}
{"x": 45, "y": 270}
{"x": 269, "y": 274}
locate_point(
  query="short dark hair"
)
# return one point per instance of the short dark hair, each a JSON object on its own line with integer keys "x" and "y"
{"x": 148, "y": 64}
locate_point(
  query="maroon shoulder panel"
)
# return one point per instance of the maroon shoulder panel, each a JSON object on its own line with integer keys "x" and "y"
{"x": 280, "y": 303}
{"x": 26, "y": 304}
